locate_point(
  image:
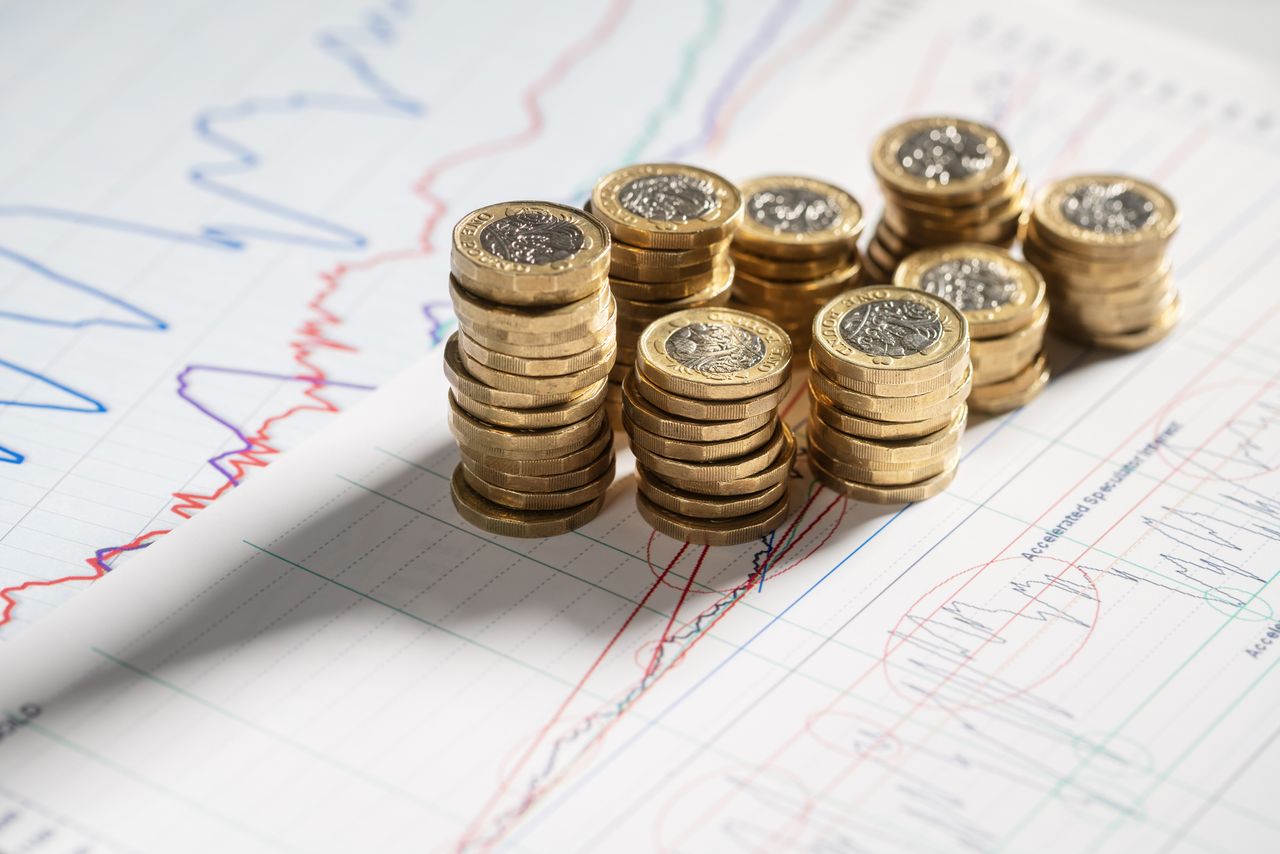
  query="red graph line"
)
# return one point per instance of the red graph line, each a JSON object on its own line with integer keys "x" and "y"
{"x": 675, "y": 612}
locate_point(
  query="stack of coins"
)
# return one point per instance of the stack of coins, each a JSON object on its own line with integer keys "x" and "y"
{"x": 1003, "y": 299}
{"x": 797, "y": 249}
{"x": 528, "y": 368}
{"x": 671, "y": 227}
{"x": 890, "y": 375}
{"x": 1100, "y": 241}
{"x": 701, "y": 410}
{"x": 945, "y": 180}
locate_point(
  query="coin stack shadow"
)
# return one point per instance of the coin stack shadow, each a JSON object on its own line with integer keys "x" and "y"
{"x": 945, "y": 180}
{"x": 1100, "y": 241}
{"x": 701, "y": 409}
{"x": 671, "y": 226}
{"x": 889, "y": 377}
{"x": 797, "y": 248}
{"x": 1003, "y": 298}
{"x": 528, "y": 369}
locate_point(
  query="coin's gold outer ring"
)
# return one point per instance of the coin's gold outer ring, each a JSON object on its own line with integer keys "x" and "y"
{"x": 536, "y": 367}
{"x": 552, "y": 320}
{"x": 697, "y": 257}
{"x": 915, "y": 231}
{"x": 543, "y": 482}
{"x": 884, "y": 161}
{"x": 697, "y": 452}
{"x": 873, "y": 494}
{"x": 543, "y": 418}
{"x": 709, "y": 410}
{"x": 945, "y": 213}
{"x": 645, "y": 415}
{"x": 501, "y": 280}
{"x": 720, "y": 222}
{"x": 871, "y": 428}
{"x": 574, "y": 383}
{"x": 776, "y": 294}
{"x": 837, "y": 356}
{"x": 686, "y": 473}
{"x": 773, "y": 369}
{"x": 884, "y": 477}
{"x": 1098, "y": 316}
{"x": 562, "y": 499}
{"x": 542, "y": 464}
{"x": 496, "y": 519}
{"x": 899, "y": 409}
{"x": 1000, "y": 358}
{"x": 1010, "y": 394}
{"x": 760, "y": 239}
{"x": 520, "y": 444}
{"x": 1053, "y": 224}
{"x": 716, "y": 293}
{"x": 1146, "y": 291}
{"x": 685, "y": 503}
{"x": 1009, "y": 317}
{"x": 930, "y": 390}
{"x": 713, "y": 532}
{"x": 884, "y": 453}
{"x": 775, "y": 472}
{"x": 467, "y": 385}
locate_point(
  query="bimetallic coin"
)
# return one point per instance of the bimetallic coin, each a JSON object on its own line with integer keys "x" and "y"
{"x": 1009, "y": 394}
{"x": 542, "y": 465}
{"x": 687, "y": 473}
{"x": 552, "y": 320}
{"x": 715, "y": 354}
{"x": 558, "y": 415}
{"x": 787, "y": 216}
{"x": 1103, "y": 213}
{"x": 544, "y": 482}
{"x": 539, "y": 500}
{"x": 769, "y": 294}
{"x": 900, "y": 409}
{"x": 774, "y": 473}
{"x": 870, "y": 428}
{"x": 697, "y": 452}
{"x": 882, "y": 453}
{"x": 801, "y": 270}
{"x": 889, "y": 335}
{"x": 466, "y": 385}
{"x": 687, "y": 503}
{"x": 1000, "y": 358}
{"x": 530, "y": 253}
{"x": 645, "y": 415}
{"x": 1160, "y": 327}
{"x": 713, "y": 532}
{"x": 717, "y": 293}
{"x": 667, "y": 205}
{"x": 543, "y": 367}
{"x": 996, "y": 293}
{"x": 573, "y": 383}
{"x": 708, "y": 410}
{"x": 942, "y": 157}
{"x": 497, "y": 519}
{"x": 699, "y": 257}
{"x": 922, "y": 391}
{"x": 520, "y": 444}
{"x": 897, "y": 476}
{"x": 873, "y": 494}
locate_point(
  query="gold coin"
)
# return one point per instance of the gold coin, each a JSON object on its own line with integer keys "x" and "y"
{"x": 667, "y": 205}
{"x": 1000, "y": 358}
{"x": 543, "y": 465}
{"x": 1003, "y": 225}
{"x": 776, "y": 472}
{"x": 885, "y": 476}
{"x": 883, "y": 258}
{"x": 880, "y": 453}
{"x": 575, "y": 382}
{"x": 788, "y": 271}
{"x": 541, "y": 347}
{"x": 496, "y": 519}
{"x": 530, "y": 253}
{"x": 873, "y": 274}
{"x": 1104, "y": 319}
{"x": 715, "y": 354}
{"x": 1105, "y": 215}
{"x": 921, "y": 392}
{"x": 871, "y": 428}
{"x": 558, "y": 500}
{"x": 717, "y": 293}
{"x": 873, "y": 494}
{"x": 1018, "y": 390}
{"x": 1012, "y": 197}
{"x": 586, "y": 335}
{"x": 1148, "y": 291}
{"x": 649, "y": 417}
{"x": 543, "y": 367}
{"x": 688, "y": 473}
{"x": 899, "y": 409}
{"x": 668, "y": 259}
{"x": 687, "y": 503}
{"x": 697, "y": 452}
{"x": 709, "y": 410}
{"x": 787, "y": 216}
{"x": 889, "y": 335}
{"x": 1091, "y": 274}
{"x": 1130, "y": 341}
{"x": 995, "y": 292}
{"x": 713, "y": 532}
{"x": 546, "y": 482}
{"x": 769, "y": 294}
{"x": 941, "y": 157}
{"x": 520, "y": 444}
{"x": 702, "y": 273}
{"x": 559, "y": 415}
{"x": 892, "y": 242}
{"x": 653, "y": 291}
{"x": 552, "y": 319}
{"x": 468, "y": 386}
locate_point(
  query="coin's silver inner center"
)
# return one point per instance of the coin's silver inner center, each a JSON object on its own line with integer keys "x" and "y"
{"x": 944, "y": 153}
{"x": 970, "y": 284}
{"x": 669, "y": 197}
{"x": 793, "y": 210}
{"x": 891, "y": 327}
{"x": 715, "y": 348}
{"x": 1114, "y": 208}
{"x": 532, "y": 237}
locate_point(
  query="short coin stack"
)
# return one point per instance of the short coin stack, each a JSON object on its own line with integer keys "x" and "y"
{"x": 945, "y": 180}
{"x": 1100, "y": 241}
{"x": 797, "y": 248}
{"x": 528, "y": 369}
{"x": 671, "y": 226}
{"x": 701, "y": 410}
{"x": 890, "y": 375}
{"x": 1003, "y": 299}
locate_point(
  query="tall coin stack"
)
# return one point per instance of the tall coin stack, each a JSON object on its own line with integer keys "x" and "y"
{"x": 1100, "y": 241}
{"x": 671, "y": 226}
{"x": 796, "y": 249}
{"x": 945, "y": 180}
{"x": 890, "y": 375}
{"x": 1003, "y": 299}
{"x": 528, "y": 368}
{"x": 701, "y": 410}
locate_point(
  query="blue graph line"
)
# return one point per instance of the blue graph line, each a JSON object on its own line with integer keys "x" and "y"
{"x": 238, "y": 159}
{"x": 87, "y": 403}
